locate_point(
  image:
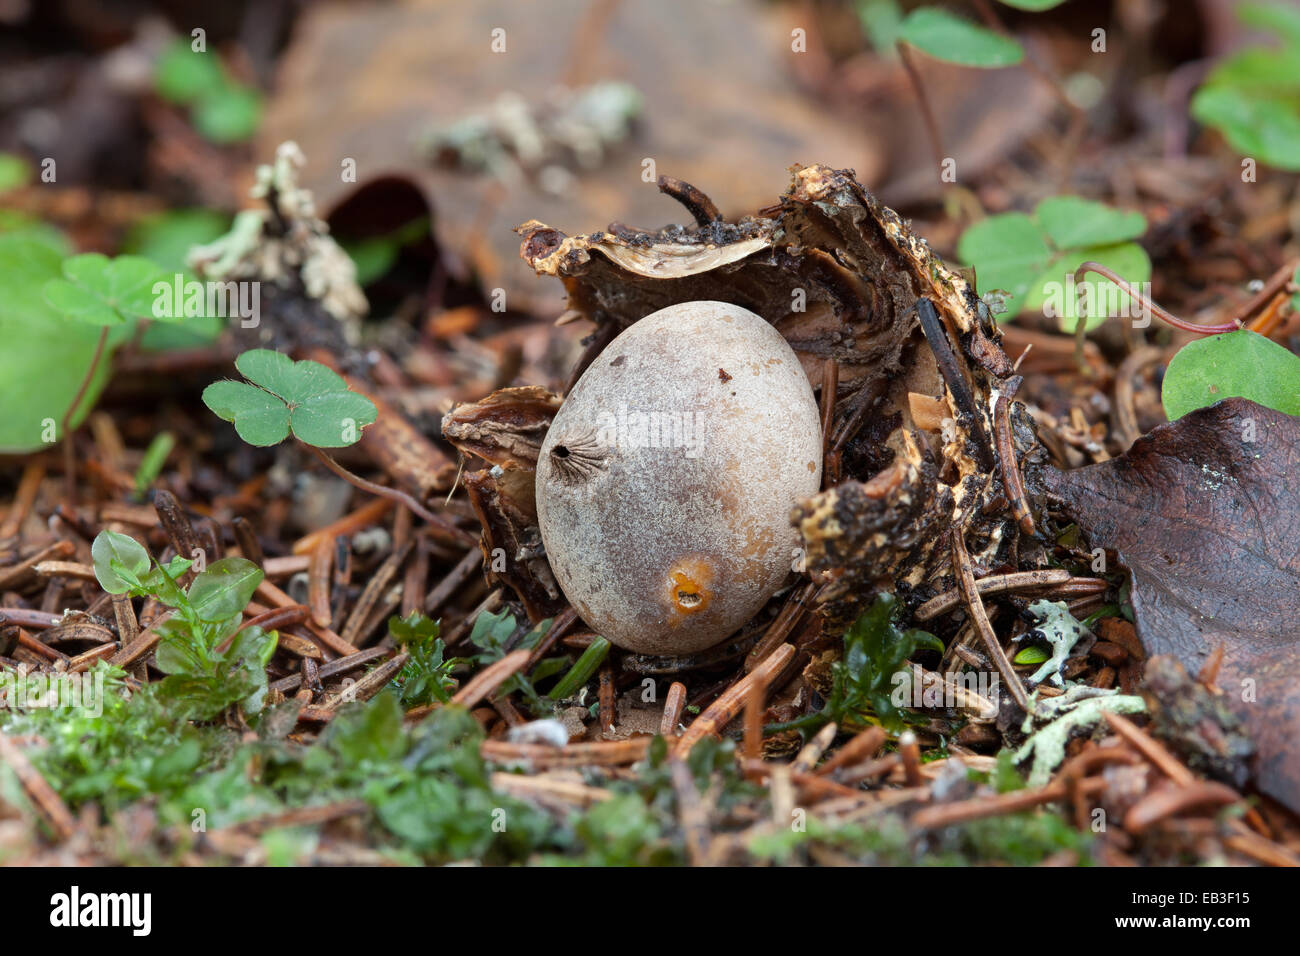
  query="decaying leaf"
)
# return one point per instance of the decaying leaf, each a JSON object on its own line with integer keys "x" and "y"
{"x": 511, "y": 543}
{"x": 506, "y": 429}
{"x": 369, "y": 83}
{"x": 1196, "y": 722}
{"x": 1205, "y": 512}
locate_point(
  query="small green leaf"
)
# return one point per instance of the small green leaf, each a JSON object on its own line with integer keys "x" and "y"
{"x": 1253, "y": 96}
{"x": 14, "y": 223}
{"x": 224, "y": 110}
{"x": 279, "y": 374}
{"x": 1282, "y": 19}
{"x": 166, "y": 238}
{"x": 1008, "y": 252}
{"x": 155, "y": 456}
{"x": 306, "y": 397}
{"x": 1005, "y": 777}
{"x": 161, "y": 581}
{"x": 413, "y": 628}
{"x": 334, "y": 420}
{"x": 224, "y": 589}
{"x": 955, "y": 40}
{"x": 1031, "y": 257}
{"x": 183, "y": 74}
{"x": 1033, "y": 6}
{"x": 1071, "y": 222}
{"x": 1257, "y": 126}
{"x": 44, "y": 355}
{"x": 490, "y": 632}
{"x": 102, "y": 291}
{"x": 177, "y": 653}
{"x": 581, "y": 672}
{"x": 881, "y": 20}
{"x": 259, "y": 417}
{"x": 14, "y": 172}
{"x": 1128, "y": 260}
{"x": 1032, "y": 655}
{"x": 230, "y": 114}
{"x": 111, "y": 553}
{"x": 1241, "y": 364}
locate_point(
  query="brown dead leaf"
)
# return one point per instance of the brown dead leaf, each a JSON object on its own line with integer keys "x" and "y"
{"x": 1205, "y": 512}
{"x": 362, "y": 81}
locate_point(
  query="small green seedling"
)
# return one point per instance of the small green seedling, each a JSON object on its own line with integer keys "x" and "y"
{"x": 492, "y": 634}
{"x": 211, "y": 662}
{"x": 1031, "y": 257}
{"x": 1241, "y": 364}
{"x": 426, "y": 677}
{"x": 863, "y": 679}
{"x": 222, "y": 109}
{"x": 1253, "y": 97}
{"x": 313, "y": 403}
{"x": 151, "y": 464}
{"x": 63, "y": 314}
{"x": 94, "y": 290}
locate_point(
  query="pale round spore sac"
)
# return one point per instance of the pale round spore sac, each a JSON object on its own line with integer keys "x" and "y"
{"x": 666, "y": 481}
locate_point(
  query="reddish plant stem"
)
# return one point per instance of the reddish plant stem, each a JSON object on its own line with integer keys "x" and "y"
{"x": 65, "y": 427}
{"x": 927, "y": 113}
{"x": 392, "y": 494}
{"x": 1167, "y": 317}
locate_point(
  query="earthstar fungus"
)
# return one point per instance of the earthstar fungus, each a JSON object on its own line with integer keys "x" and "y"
{"x": 666, "y": 480}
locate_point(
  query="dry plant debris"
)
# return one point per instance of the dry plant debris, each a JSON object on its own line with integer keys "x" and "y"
{"x": 1024, "y": 616}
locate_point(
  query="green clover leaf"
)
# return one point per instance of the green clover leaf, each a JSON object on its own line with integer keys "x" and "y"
{"x": 1030, "y": 257}
{"x": 304, "y": 397}
{"x": 1253, "y": 96}
{"x": 101, "y": 291}
{"x": 953, "y": 39}
{"x": 223, "y": 109}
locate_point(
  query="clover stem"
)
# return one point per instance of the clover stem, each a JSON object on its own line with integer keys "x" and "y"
{"x": 392, "y": 494}
{"x": 927, "y": 113}
{"x": 65, "y": 426}
{"x": 1167, "y": 317}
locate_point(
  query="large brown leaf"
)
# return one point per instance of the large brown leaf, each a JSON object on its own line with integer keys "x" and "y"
{"x": 362, "y": 81}
{"x": 1205, "y": 512}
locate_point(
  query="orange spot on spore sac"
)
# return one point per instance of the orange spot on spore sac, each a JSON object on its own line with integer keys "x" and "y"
{"x": 689, "y": 585}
